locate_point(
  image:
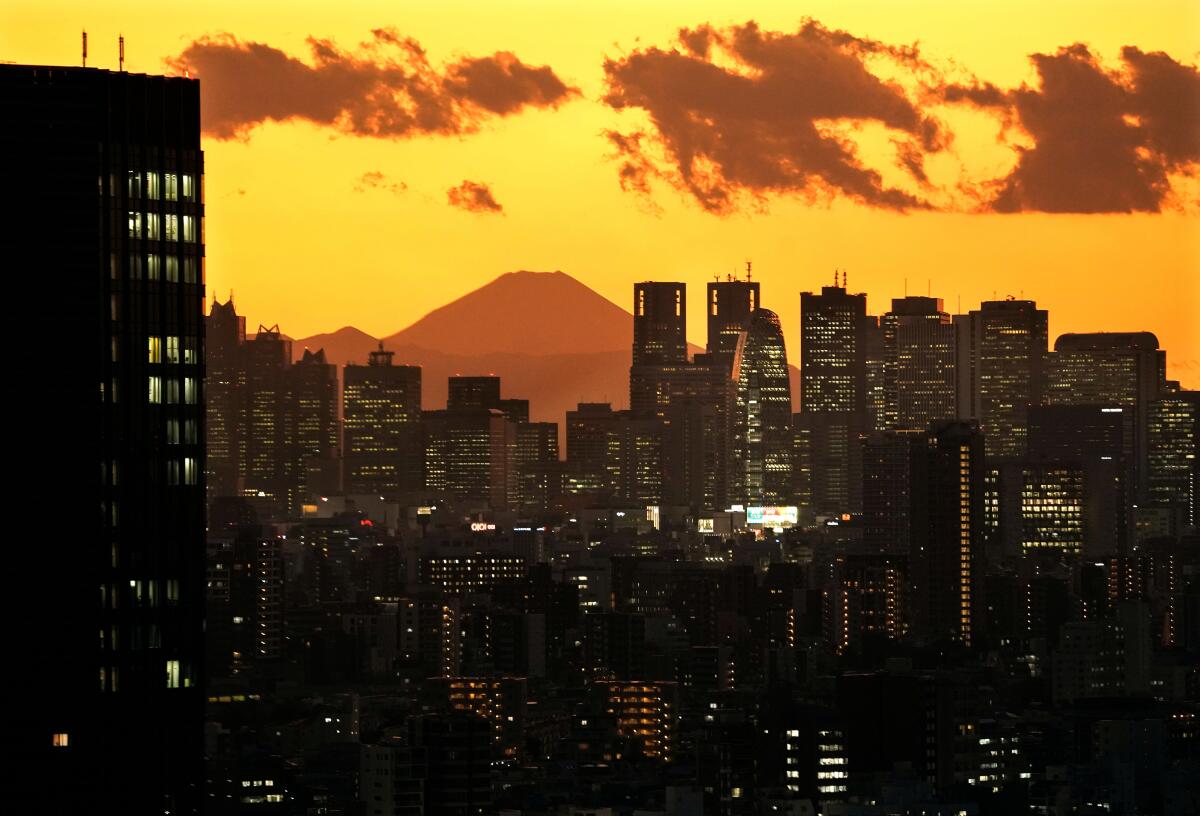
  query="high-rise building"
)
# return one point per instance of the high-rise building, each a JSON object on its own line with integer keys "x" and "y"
{"x": 265, "y": 443}
{"x": 313, "y": 431}
{"x": 467, "y": 455}
{"x": 536, "y": 470}
{"x": 833, "y": 399}
{"x": 107, "y": 166}
{"x": 381, "y": 427}
{"x": 659, "y": 323}
{"x": 730, "y": 304}
{"x": 947, "y": 533}
{"x": 614, "y": 455}
{"x": 646, "y": 711}
{"x": 1124, "y": 369}
{"x": 890, "y": 461}
{"x": 762, "y": 436}
{"x": 1173, "y": 467}
{"x": 919, "y": 358}
{"x": 224, "y": 334}
{"x": 1001, "y": 370}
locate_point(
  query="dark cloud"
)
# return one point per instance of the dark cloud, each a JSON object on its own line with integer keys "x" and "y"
{"x": 473, "y": 196}
{"x": 742, "y": 111}
{"x": 1103, "y": 141}
{"x": 385, "y": 88}
{"x": 377, "y": 180}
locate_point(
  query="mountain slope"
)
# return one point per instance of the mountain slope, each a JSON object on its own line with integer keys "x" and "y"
{"x": 532, "y": 313}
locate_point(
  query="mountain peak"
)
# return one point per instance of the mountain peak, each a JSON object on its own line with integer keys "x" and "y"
{"x": 523, "y": 312}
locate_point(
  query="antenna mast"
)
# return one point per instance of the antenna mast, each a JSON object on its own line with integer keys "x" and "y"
{"x": 121, "y": 53}
{"x": 85, "y": 48}
{"x": 747, "y": 271}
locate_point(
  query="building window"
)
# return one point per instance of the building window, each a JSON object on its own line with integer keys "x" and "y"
{"x": 191, "y": 470}
{"x": 154, "y": 265}
{"x": 152, "y": 185}
{"x": 191, "y": 390}
{"x": 60, "y": 740}
{"x": 189, "y": 187}
{"x": 153, "y": 223}
{"x": 154, "y": 345}
{"x": 172, "y": 349}
{"x": 189, "y": 270}
{"x": 189, "y": 351}
{"x": 171, "y": 183}
{"x": 172, "y": 431}
{"x": 135, "y": 225}
{"x": 172, "y": 230}
{"x": 172, "y": 269}
{"x": 189, "y": 228}
{"x": 155, "y": 395}
{"x": 172, "y": 391}
{"x": 172, "y": 674}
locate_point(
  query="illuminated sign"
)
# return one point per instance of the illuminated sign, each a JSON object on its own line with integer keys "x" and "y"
{"x": 773, "y": 516}
{"x": 424, "y": 511}
{"x": 704, "y": 525}
{"x": 482, "y": 526}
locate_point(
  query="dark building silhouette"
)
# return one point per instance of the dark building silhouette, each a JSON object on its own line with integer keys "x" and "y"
{"x": 1173, "y": 454}
{"x": 381, "y": 427}
{"x": 225, "y": 334}
{"x": 484, "y": 392}
{"x": 314, "y": 466}
{"x": 1001, "y": 370}
{"x": 614, "y": 454}
{"x": 730, "y": 304}
{"x": 761, "y": 437}
{"x": 265, "y": 444}
{"x": 108, "y": 166}
{"x": 537, "y": 473}
{"x": 659, "y": 323}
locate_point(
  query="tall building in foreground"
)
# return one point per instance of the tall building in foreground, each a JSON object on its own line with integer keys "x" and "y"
{"x": 107, "y": 168}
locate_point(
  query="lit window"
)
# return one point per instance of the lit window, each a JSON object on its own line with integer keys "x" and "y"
{"x": 153, "y": 223}
{"x": 154, "y": 265}
{"x": 135, "y": 184}
{"x": 172, "y": 350}
{"x": 152, "y": 185}
{"x": 155, "y": 394}
{"x": 154, "y": 345}
{"x": 172, "y": 227}
{"x": 135, "y": 225}
{"x": 61, "y": 740}
{"x": 191, "y": 390}
{"x": 172, "y": 269}
{"x": 189, "y": 189}
{"x": 189, "y": 228}
{"x": 191, "y": 472}
{"x": 171, "y": 183}
{"x": 173, "y": 674}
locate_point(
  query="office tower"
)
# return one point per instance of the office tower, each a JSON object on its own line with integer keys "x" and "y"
{"x": 865, "y": 601}
{"x": 875, "y": 364}
{"x": 614, "y": 455}
{"x": 1075, "y": 480}
{"x": 468, "y": 448}
{"x": 947, "y": 534}
{"x": 224, "y": 335}
{"x": 693, "y": 401}
{"x": 381, "y": 427}
{"x": 484, "y": 392}
{"x": 1173, "y": 466}
{"x": 919, "y": 358}
{"x": 833, "y": 334}
{"x": 108, "y": 168}
{"x": 833, "y": 401}
{"x": 313, "y": 432}
{"x": 459, "y": 574}
{"x": 1111, "y": 369}
{"x": 730, "y": 304}
{"x": 536, "y": 470}
{"x": 1001, "y": 370}
{"x": 659, "y": 323}
{"x": 890, "y": 462}
{"x": 762, "y": 438}
{"x": 265, "y": 442}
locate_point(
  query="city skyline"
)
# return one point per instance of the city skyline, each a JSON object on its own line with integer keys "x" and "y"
{"x": 333, "y": 192}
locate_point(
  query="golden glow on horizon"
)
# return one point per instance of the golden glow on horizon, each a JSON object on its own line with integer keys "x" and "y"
{"x": 299, "y": 246}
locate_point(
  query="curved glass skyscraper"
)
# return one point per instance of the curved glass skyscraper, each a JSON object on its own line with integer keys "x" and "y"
{"x": 762, "y": 413}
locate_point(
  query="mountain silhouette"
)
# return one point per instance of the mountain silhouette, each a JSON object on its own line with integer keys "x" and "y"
{"x": 533, "y": 313}
{"x": 548, "y": 337}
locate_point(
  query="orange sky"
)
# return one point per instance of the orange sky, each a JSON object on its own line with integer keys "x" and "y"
{"x": 288, "y": 231}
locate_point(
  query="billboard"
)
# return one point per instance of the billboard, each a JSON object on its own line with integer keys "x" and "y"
{"x": 772, "y": 516}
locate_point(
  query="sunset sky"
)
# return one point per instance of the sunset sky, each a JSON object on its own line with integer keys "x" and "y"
{"x": 368, "y": 162}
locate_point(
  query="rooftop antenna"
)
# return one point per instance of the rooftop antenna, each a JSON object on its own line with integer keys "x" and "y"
{"x": 85, "y": 48}
{"x": 747, "y": 271}
{"x": 843, "y": 278}
{"x": 121, "y": 53}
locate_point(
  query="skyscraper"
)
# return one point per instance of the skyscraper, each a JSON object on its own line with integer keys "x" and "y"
{"x": 833, "y": 379}
{"x": 730, "y": 303}
{"x": 1001, "y": 370}
{"x": 313, "y": 432}
{"x": 762, "y": 437}
{"x": 381, "y": 427}
{"x": 225, "y": 333}
{"x": 1173, "y": 448}
{"x": 918, "y": 363}
{"x": 659, "y": 323}
{"x": 265, "y": 440}
{"x": 1124, "y": 369}
{"x": 109, "y": 166}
